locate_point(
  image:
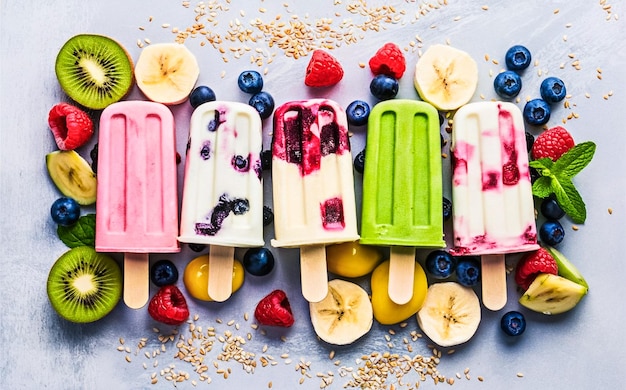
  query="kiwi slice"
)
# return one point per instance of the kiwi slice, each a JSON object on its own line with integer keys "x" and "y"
{"x": 83, "y": 285}
{"x": 94, "y": 70}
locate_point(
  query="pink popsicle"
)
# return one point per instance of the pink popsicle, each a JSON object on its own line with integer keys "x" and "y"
{"x": 137, "y": 201}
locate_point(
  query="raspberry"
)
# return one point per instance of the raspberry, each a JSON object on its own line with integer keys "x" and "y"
{"x": 274, "y": 310}
{"x": 389, "y": 61}
{"x": 510, "y": 174}
{"x": 169, "y": 306}
{"x": 552, "y": 143}
{"x": 534, "y": 263}
{"x": 323, "y": 70}
{"x": 70, "y": 126}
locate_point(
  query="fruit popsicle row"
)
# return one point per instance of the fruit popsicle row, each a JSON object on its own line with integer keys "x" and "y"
{"x": 313, "y": 186}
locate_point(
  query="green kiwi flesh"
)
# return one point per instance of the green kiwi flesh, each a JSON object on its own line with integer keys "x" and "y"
{"x": 94, "y": 70}
{"x": 83, "y": 285}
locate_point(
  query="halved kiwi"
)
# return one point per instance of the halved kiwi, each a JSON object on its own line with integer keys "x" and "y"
{"x": 94, "y": 70}
{"x": 83, "y": 285}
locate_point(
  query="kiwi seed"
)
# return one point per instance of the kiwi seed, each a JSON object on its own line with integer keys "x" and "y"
{"x": 94, "y": 70}
{"x": 83, "y": 285}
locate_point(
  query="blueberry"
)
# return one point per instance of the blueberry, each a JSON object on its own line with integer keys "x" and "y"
{"x": 268, "y": 216}
{"x": 200, "y": 95}
{"x": 530, "y": 140}
{"x": 447, "y": 209}
{"x": 384, "y": 87}
{"x": 94, "y": 158}
{"x": 551, "y": 232}
{"x": 468, "y": 271}
{"x": 440, "y": 264}
{"x": 537, "y": 112}
{"x": 357, "y": 112}
{"x": 551, "y": 210}
{"x": 258, "y": 261}
{"x": 240, "y": 206}
{"x": 517, "y": 58}
{"x": 65, "y": 211}
{"x": 263, "y": 102}
{"x": 552, "y": 90}
{"x": 359, "y": 162}
{"x": 513, "y": 323}
{"x": 507, "y": 84}
{"x": 250, "y": 81}
{"x": 240, "y": 163}
{"x": 197, "y": 247}
{"x": 266, "y": 160}
{"x": 534, "y": 174}
{"x": 163, "y": 272}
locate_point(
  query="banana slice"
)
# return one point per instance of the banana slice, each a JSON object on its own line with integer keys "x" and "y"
{"x": 450, "y": 315}
{"x": 446, "y": 77}
{"x": 72, "y": 175}
{"x": 344, "y": 315}
{"x": 166, "y": 72}
{"x": 552, "y": 294}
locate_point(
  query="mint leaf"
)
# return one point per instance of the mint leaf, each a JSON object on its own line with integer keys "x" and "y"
{"x": 543, "y": 187}
{"x": 574, "y": 160}
{"x": 82, "y": 233}
{"x": 542, "y": 164}
{"x": 570, "y": 200}
{"x": 556, "y": 178}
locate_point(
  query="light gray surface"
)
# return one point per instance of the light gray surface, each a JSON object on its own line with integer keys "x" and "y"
{"x": 580, "y": 349}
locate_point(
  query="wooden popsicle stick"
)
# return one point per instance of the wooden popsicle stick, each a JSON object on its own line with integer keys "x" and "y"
{"x": 493, "y": 275}
{"x": 313, "y": 273}
{"x": 401, "y": 274}
{"x": 220, "y": 272}
{"x": 136, "y": 279}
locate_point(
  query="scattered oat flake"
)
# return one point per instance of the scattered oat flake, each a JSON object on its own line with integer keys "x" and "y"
{"x": 610, "y": 210}
{"x": 485, "y": 7}
{"x": 520, "y": 375}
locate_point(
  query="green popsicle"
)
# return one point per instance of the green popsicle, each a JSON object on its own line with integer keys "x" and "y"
{"x": 402, "y": 185}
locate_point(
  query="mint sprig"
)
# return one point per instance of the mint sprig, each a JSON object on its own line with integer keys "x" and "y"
{"x": 556, "y": 178}
{"x": 82, "y": 233}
